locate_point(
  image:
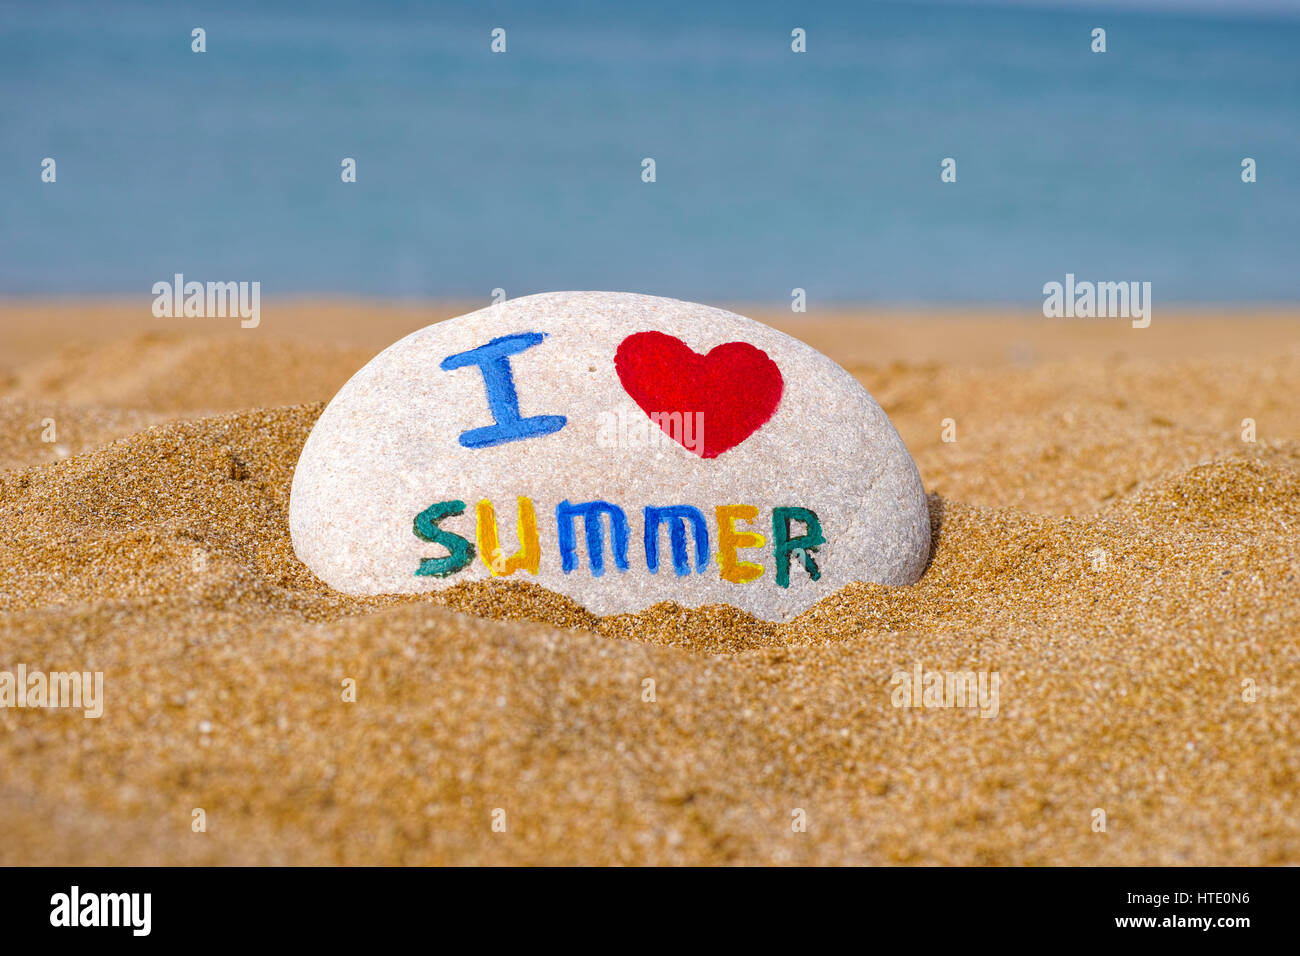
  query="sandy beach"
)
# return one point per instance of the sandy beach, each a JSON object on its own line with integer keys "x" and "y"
{"x": 1117, "y": 535}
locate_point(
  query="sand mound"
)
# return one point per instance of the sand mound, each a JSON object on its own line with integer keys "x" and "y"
{"x": 1139, "y": 574}
{"x": 1258, "y": 496}
{"x": 39, "y": 432}
{"x": 1073, "y": 437}
{"x": 1122, "y": 688}
{"x": 175, "y": 373}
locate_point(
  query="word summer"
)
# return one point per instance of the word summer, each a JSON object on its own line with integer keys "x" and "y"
{"x": 682, "y": 522}
{"x": 194, "y": 300}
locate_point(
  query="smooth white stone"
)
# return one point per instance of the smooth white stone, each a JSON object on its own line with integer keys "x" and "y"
{"x": 388, "y": 447}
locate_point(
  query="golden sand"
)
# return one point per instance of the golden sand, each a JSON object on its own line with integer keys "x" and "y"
{"x": 1105, "y": 540}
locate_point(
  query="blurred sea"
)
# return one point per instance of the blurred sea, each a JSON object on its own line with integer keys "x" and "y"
{"x": 775, "y": 170}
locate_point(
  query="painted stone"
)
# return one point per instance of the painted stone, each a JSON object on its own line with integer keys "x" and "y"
{"x": 619, "y": 449}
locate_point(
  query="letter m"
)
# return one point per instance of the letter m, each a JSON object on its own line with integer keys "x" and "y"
{"x": 119, "y": 905}
{"x": 65, "y": 688}
{"x": 1111, "y": 293}
{"x": 566, "y": 514}
{"x": 670, "y": 423}
{"x": 677, "y": 516}
{"x": 221, "y": 299}
{"x": 965, "y": 686}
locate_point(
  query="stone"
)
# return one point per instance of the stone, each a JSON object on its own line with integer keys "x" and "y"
{"x": 619, "y": 449}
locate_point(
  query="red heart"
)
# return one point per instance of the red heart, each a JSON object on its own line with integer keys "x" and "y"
{"x": 735, "y": 388}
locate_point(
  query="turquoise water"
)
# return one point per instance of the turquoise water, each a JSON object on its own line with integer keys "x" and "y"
{"x": 774, "y": 170}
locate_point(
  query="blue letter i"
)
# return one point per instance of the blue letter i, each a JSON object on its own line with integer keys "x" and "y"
{"x": 493, "y": 361}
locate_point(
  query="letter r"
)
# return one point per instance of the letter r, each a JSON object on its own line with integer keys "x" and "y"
{"x": 783, "y": 545}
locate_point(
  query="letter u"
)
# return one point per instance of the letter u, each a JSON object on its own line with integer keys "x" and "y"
{"x": 529, "y": 555}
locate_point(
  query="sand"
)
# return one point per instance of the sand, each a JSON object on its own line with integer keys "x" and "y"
{"x": 1106, "y": 541}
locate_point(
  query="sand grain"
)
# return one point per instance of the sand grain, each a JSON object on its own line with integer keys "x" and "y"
{"x": 157, "y": 551}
